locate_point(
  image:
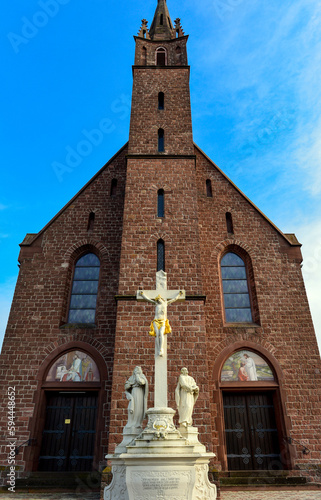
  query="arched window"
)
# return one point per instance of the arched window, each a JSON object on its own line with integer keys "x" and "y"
{"x": 144, "y": 55}
{"x": 209, "y": 193}
{"x": 113, "y": 187}
{"x": 160, "y": 255}
{"x": 91, "y": 220}
{"x": 84, "y": 291}
{"x": 161, "y": 56}
{"x": 161, "y": 141}
{"x": 235, "y": 289}
{"x": 161, "y": 21}
{"x": 178, "y": 54}
{"x": 161, "y": 101}
{"x": 160, "y": 203}
{"x": 229, "y": 223}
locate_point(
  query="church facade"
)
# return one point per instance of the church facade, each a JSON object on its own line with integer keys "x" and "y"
{"x": 245, "y": 333}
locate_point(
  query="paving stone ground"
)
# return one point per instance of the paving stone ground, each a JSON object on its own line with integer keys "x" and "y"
{"x": 225, "y": 495}
{"x": 271, "y": 495}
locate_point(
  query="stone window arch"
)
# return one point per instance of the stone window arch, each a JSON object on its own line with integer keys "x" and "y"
{"x": 161, "y": 56}
{"x": 250, "y": 420}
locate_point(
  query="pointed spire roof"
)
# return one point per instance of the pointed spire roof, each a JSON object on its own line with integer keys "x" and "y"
{"x": 162, "y": 26}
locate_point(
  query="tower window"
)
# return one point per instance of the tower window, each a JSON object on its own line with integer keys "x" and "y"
{"x": 160, "y": 203}
{"x": 178, "y": 54}
{"x": 144, "y": 33}
{"x": 161, "y": 21}
{"x": 235, "y": 289}
{"x": 161, "y": 100}
{"x": 113, "y": 188}
{"x": 161, "y": 56}
{"x": 229, "y": 223}
{"x": 161, "y": 141}
{"x": 160, "y": 255}
{"x": 91, "y": 220}
{"x": 209, "y": 192}
{"x": 144, "y": 56}
{"x": 84, "y": 291}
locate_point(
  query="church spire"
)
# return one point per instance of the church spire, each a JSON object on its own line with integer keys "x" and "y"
{"x": 162, "y": 26}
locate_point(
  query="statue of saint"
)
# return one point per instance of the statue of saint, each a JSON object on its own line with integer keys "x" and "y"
{"x": 136, "y": 390}
{"x": 186, "y": 394}
{"x": 160, "y": 325}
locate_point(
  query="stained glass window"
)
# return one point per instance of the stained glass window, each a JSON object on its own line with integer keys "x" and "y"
{"x": 235, "y": 289}
{"x": 84, "y": 290}
{"x": 161, "y": 100}
{"x": 161, "y": 143}
{"x": 160, "y": 255}
{"x": 160, "y": 203}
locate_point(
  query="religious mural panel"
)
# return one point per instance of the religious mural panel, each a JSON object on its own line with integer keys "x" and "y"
{"x": 246, "y": 366}
{"x": 74, "y": 366}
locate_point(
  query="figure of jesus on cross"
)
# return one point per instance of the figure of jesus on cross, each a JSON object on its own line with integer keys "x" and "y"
{"x": 160, "y": 297}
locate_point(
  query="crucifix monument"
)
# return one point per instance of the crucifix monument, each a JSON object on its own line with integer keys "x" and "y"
{"x": 159, "y": 327}
{"x": 160, "y": 459}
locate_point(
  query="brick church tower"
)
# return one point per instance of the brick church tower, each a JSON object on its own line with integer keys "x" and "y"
{"x": 76, "y": 332}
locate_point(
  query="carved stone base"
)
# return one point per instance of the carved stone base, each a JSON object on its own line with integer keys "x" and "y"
{"x": 162, "y": 463}
{"x": 164, "y": 477}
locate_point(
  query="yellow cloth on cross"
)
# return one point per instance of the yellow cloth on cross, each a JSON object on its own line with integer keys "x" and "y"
{"x": 159, "y": 323}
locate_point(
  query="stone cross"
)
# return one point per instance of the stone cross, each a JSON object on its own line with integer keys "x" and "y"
{"x": 160, "y": 297}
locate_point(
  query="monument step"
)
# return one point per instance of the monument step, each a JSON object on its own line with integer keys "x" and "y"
{"x": 260, "y": 480}
{"x": 251, "y": 473}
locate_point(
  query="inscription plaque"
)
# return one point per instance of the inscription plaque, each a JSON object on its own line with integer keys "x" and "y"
{"x": 170, "y": 484}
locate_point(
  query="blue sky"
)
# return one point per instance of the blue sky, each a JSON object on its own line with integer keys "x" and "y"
{"x": 256, "y": 104}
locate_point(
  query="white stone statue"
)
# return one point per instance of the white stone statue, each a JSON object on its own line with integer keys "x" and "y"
{"x": 136, "y": 390}
{"x": 160, "y": 325}
{"x": 186, "y": 394}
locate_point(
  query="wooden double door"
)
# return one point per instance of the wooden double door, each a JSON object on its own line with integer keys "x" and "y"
{"x": 69, "y": 433}
{"x": 251, "y": 432}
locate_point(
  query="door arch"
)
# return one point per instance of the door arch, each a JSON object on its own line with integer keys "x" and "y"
{"x": 251, "y": 420}
{"x": 68, "y": 421}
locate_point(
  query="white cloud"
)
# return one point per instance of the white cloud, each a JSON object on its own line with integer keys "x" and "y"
{"x": 6, "y": 295}
{"x": 310, "y": 237}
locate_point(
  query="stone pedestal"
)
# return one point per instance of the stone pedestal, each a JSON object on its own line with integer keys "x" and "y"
{"x": 162, "y": 463}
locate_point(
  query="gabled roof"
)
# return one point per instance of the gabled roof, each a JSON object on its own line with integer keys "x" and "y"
{"x": 290, "y": 238}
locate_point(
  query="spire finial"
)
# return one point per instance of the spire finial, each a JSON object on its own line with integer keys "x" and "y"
{"x": 162, "y": 27}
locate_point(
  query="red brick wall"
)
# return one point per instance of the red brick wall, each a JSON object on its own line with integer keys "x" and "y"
{"x": 179, "y": 230}
{"x": 146, "y": 118}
